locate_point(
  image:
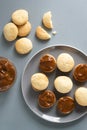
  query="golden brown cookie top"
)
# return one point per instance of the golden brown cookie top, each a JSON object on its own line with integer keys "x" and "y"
{"x": 65, "y": 62}
{"x": 23, "y": 45}
{"x": 39, "y": 81}
{"x": 42, "y": 34}
{"x": 47, "y": 20}
{"x": 10, "y": 31}
{"x": 24, "y": 30}
{"x": 20, "y": 16}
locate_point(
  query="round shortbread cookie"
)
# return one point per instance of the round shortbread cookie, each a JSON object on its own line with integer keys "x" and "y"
{"x": 81, "y": 96}
{"x": 24, "y": 30}
{"x": 63, "y": 84}
{"x": 39, "y": 81}
{"x": 65, "y": 62}
{"x": 23, "y": 46}
{"x": 42, "y": 34}
{"x": 10, "y": 31}
{"x": 20, "y": 17}
{"x": 47, "y": 21}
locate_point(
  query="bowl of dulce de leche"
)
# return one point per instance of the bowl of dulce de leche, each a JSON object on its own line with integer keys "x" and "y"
{"x": 7, "y": 74}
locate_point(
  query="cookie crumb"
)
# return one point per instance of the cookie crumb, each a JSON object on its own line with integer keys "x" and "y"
{"x": 54, "y": 32}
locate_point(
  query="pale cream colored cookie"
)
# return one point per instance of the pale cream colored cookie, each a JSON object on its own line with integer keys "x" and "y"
{"x": 23, "y": 45}
{"x": 24, "y": 30}
{"x": 63, "y": 84}
{"x": 20, "y": 17}
{"x": 39, "y": 81}
{"x": 47, "y": 21}
{"x": 81, "y": 96}
{"x": 65, "y": 62}
{"x": 42, "y": 34}
{"x": 10, "y": 31}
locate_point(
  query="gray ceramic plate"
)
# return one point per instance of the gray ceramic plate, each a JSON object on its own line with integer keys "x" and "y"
{"x": 30, "y": 96}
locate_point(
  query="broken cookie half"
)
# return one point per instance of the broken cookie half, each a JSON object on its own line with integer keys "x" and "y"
{"x": 42, "y": 34}
{"x": 47, "y": 20}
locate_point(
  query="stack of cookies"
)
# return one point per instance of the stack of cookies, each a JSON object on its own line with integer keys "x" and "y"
{"x": 19, "y": 27}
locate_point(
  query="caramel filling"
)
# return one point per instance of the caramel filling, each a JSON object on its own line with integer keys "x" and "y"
{"x": 47, "y": 99}
{"x": 65, "y": 105}
{"x": 80, "y": 72}
{"x": 47, "y": 63}
{"x": 7, "y": 74}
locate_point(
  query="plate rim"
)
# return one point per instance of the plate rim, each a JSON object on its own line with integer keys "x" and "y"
{"x": 28, "y": 61}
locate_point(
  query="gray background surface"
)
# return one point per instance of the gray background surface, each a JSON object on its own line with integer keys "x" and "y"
{"x": 70, "y": 22}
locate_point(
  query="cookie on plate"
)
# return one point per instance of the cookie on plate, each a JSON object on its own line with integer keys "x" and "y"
{"x": 39, "y": 81}
{"x": 46, "y": 99}
{"x": 65, "y": 62}
{"x": 42, "y": 34}
{"x": 47, "y": 63}
{"x": 10, "y": 31}
{"x": 63, "y": 84}
{"x": 23, "y": 45}
{"x": 65, "y": 105}
{"x": 47, "y": 21}
{"x": 24, "y": 30}
{"x": 81, "y": 96}
{"x": 80, "y": 72}
{"x": 20, "y": 17}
